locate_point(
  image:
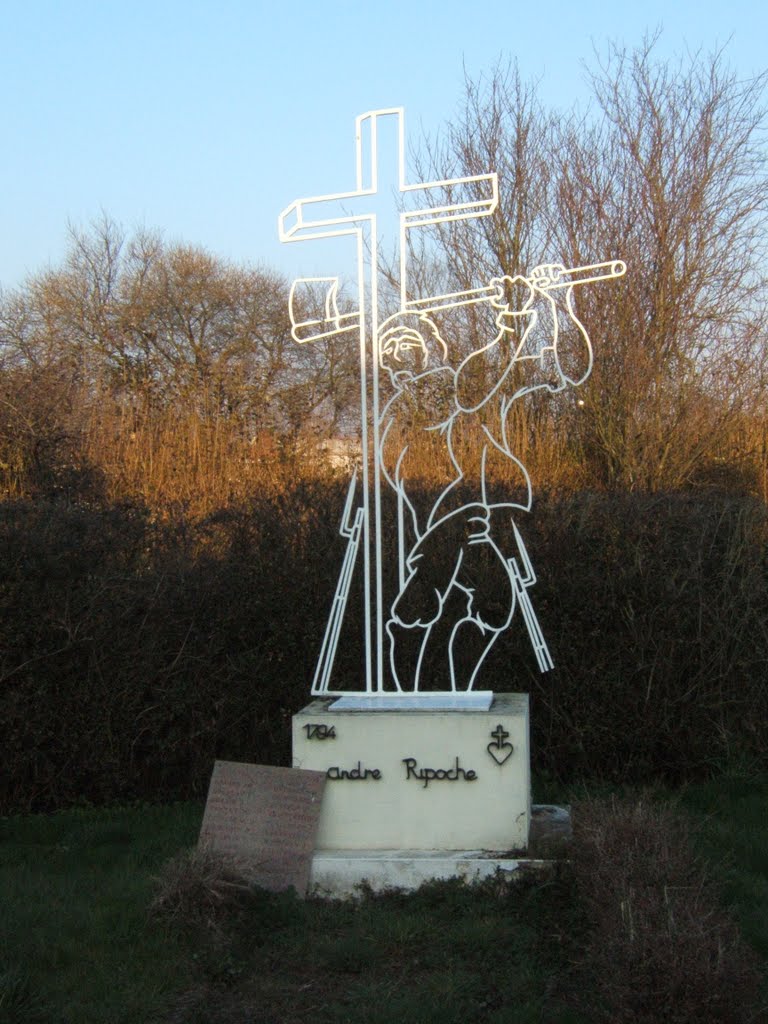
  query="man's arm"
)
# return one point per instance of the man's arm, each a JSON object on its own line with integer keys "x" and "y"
{"x": 483, "y": 372}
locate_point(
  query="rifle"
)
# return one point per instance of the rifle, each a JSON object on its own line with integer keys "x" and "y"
{"x": 546, "y": 277}
{"x": 350, "y": 528}
{"x": 522, "y": 582}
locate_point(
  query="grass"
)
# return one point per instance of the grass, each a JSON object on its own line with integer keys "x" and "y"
{"x": 79, "y": 945}
{"x": 733, "y": 837}
{"x": 74, "y": 935}
{"x": 446, "y": 954}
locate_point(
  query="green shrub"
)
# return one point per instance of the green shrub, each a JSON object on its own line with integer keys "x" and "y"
{"x": 136, "y": 648}
{"x": 657, "y": 607}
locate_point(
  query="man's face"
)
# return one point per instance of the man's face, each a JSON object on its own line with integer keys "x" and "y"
{"x": 404, "y": 351}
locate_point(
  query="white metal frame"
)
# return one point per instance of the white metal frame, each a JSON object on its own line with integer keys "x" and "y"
{"x": 352, "y": 213}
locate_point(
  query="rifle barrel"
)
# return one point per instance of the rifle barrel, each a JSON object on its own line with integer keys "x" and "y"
{"x": 566, "y": 278}
{"x": 548, "y": 279}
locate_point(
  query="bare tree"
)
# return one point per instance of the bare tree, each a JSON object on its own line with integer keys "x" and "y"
{"x": 131, "y": 335}
{"x": 173, "y": 325}
{"x": 502, "y": 127}
{"x": 667, "y": 171}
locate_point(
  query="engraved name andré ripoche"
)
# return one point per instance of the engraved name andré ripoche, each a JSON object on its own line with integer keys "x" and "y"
{"x": 426, "y": 775}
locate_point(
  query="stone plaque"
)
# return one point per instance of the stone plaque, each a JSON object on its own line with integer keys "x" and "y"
{"x": 265, "y": 819}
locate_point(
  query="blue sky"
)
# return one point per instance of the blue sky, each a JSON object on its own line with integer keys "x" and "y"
{"x": 205, "y": 119}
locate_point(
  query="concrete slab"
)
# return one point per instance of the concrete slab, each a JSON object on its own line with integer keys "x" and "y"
{"x": 474, "y": 700}
{"x": 344, "y": 874}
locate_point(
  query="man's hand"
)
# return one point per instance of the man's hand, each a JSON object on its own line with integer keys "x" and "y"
{"x": 545, "y": 275}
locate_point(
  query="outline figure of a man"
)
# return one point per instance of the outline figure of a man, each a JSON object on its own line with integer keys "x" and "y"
{"x": 464, "y": 551}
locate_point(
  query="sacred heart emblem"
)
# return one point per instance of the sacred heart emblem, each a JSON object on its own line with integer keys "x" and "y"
{"x": 500, "y": 750}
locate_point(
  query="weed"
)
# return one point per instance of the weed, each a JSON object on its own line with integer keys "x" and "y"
{"x": 658, "y": 944}
{"x": 19, "y": 1004}
{"x": 199, "y": 889}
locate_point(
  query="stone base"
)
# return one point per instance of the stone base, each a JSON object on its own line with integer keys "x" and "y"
{"x": 420, "y": 779}
{"x": 340, "y": 874}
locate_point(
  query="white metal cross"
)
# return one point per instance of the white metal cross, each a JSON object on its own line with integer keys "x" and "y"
{"x": 353, "y": 213}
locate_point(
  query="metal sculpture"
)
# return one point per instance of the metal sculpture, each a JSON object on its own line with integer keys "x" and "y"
{"x": 462, "y": 565}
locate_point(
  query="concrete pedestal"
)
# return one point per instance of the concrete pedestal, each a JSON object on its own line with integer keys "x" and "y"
{"x": 419, "y": 780}
{"x": 344, "y": 874}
